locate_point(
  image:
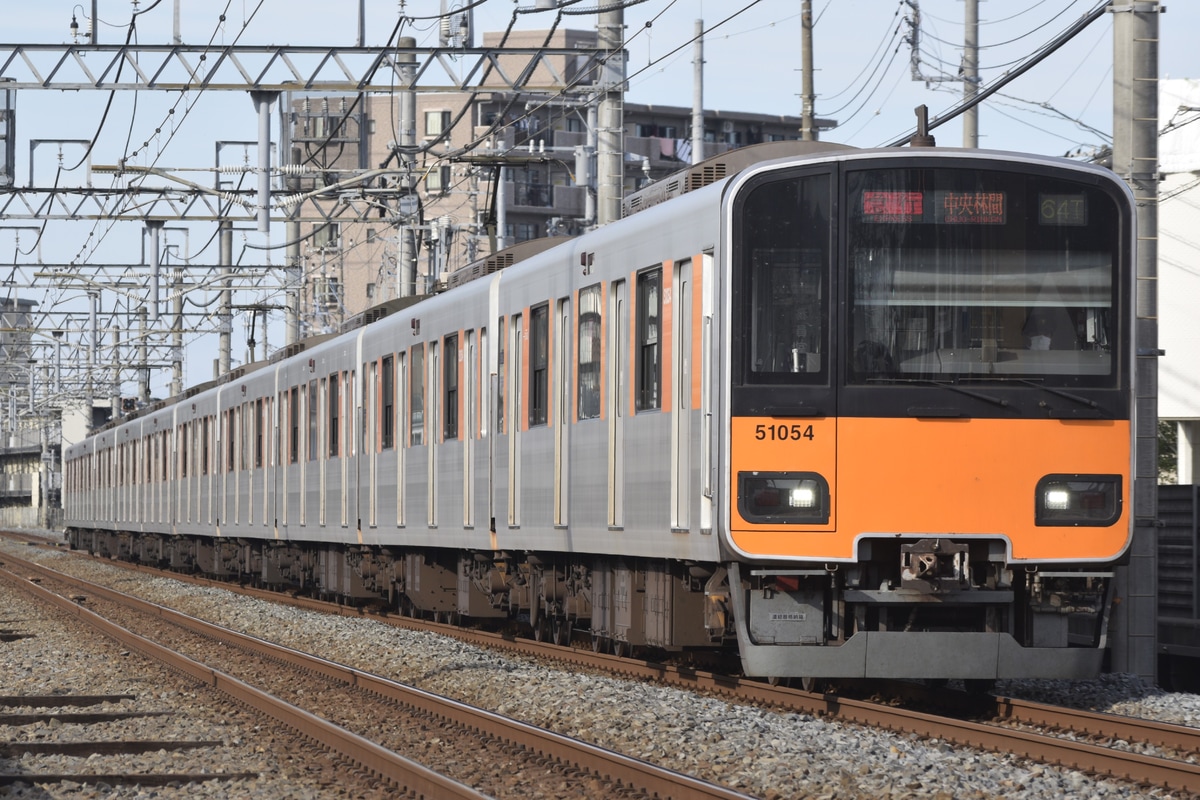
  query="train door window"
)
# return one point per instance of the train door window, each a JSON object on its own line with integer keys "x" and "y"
{"x": 515, "y": 333}
{"x": 258, "y": 433}
{"x": 247, "y": 435}
{"x": 481, "y": 391}
{"x": 433, "y": 392}
{"x": 539, "y": 364}
{"x": 334, "y": 409}
{"x": 313, "y": 420}
{"x": 450, "y": 388}
{"x": 367, "y": 427}
{"x": 588, "y": 371}
{"x": 500, "y": 372}
{"x": 416, "y": 400}
{"x": 204, "y": 434}
{"x": 348, "y": 411}
{"x": 387, "y": 419}
{"x": 649, "y": 311}
{"x": 294, "y": 425}
{"x": 183, "y": 451}
{"x": 322, "y": 430}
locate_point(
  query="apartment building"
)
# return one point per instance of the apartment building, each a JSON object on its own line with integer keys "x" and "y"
{"x": 490, "y": 169}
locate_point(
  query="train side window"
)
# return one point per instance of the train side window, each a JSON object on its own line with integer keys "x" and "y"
{"x": 649, "y": 366}
{"x": 450, "y": 388}
{"x": 204, "y": 435}
{"x": 416, "y": 402}
{"x": 539, "y": 364}
{"x": 588, "y": 368}
{"x": 387, "y": 420}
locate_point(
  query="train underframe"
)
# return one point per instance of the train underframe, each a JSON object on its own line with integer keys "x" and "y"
{"x": 925, "y": 608}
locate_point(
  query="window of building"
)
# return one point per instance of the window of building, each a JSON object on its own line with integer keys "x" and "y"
{"x": 436, "y": 122}
{"x": 437, "y": 180}
{"x": 649, "y": 369}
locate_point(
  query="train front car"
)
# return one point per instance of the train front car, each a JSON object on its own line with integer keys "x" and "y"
{"x": 929, "y": 391}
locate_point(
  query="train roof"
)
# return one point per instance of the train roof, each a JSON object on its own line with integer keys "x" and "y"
{"x": 718, "y": 168}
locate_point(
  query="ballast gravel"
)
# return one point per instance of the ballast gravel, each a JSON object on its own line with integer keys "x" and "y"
{"x": 762, "y": 753}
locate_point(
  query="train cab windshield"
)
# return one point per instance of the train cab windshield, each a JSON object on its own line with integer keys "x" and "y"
{"x": 957, "y": 275}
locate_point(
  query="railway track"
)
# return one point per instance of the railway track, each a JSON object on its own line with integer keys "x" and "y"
{"x": 1085, "y": 740}
{"x": 552, "y": 762}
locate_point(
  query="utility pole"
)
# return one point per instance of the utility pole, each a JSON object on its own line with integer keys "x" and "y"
{"x": 698, "y": 96}
{"x": 1135, "y": 158}
{"x": 808, "y": 101}
{"x": 610, "y": 149}
{"x": 970, "y": 73}
{"x": 406, "y": 268}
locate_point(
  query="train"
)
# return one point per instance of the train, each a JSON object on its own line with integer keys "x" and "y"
{"x": 847, "y": 413}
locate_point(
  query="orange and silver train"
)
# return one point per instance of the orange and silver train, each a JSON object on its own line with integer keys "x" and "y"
{"x": 857, "y": 413}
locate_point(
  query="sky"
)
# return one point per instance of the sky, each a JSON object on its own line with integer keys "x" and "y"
{"x": 864, "y": 79}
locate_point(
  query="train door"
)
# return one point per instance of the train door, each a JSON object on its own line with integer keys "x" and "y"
{"x": 517, "y": 384}
{"x": 561, "y": 410}
{"x": 617, "y": 397}
{"x": 470, "y": 426}
{"x": 681, "y": 379}
{"x": 707, "y": 472}
{"x": 402, "y": 428}
{"x": 432, "y": 425}
{"x": 371, "y": 439}
{"x": 322, "y": 450}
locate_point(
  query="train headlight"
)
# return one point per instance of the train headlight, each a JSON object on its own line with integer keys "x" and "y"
{"x": 783, "y": 497}
{"x": 1078, "y": 500}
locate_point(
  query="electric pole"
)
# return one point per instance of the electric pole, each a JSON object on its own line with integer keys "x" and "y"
{"x": 970, "y": 73}
{"x": 808, "y": 101}
{"x": 1135, "y": 158}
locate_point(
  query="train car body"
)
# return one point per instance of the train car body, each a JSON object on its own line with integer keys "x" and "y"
{"x": 860, "y": 413}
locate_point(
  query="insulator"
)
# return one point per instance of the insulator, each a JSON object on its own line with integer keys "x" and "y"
{"x": 231, "y": 168}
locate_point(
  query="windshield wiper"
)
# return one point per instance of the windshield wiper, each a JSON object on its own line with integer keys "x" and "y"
{"x": 996, "y": 401}
{"x": 1086, "y": 401}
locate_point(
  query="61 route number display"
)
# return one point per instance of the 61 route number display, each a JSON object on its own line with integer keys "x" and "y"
{"x": 783, "y": 432}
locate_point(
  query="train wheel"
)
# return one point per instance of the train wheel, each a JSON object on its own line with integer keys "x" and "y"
{"x": 541, "y": 630}
{"x": 812, "y": 684}
{"x": 599, "y": 643}
{"x": 620, "y": 649}
{"x": 561, "y": 631}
